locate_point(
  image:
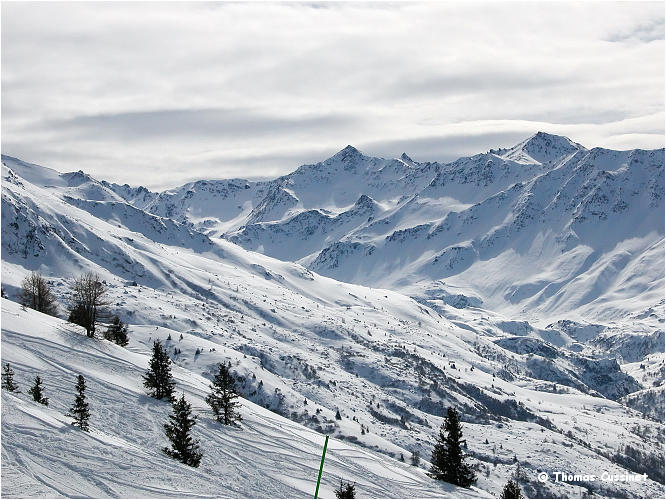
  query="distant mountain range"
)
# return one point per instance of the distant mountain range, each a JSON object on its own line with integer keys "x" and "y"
{"x": 538, "y": 230}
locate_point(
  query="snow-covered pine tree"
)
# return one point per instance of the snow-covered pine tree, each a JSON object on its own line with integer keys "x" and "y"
{"x": 448, "y": 459}
{"x": 79, "y": 412}
{"x": 37, "y": 392}
{"x": 158, "y": 378}
{"x": 223, "y": 395}
{"x": 8, "y": 379}
{"x": 117, "y": 332}
{"x": 511, "y": 490}
{"x": 346, "y": 490}
{"x": 415, "y": 458}
{"x": 179, "y": 432}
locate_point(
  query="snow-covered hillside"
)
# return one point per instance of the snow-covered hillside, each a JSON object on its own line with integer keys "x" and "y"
{"x": 389, "y": 361}
{"x": 268, "y": 456}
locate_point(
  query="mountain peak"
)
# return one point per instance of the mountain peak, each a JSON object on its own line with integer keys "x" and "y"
{"x": 543, "y": 147}
{"x": 364, "y": 201}
{"x": 544, "y": 139}
{"x": 347, "y": 154}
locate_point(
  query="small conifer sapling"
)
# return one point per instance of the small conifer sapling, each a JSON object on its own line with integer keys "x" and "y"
{"x": 179, "y": 431}
{"x": 79, "y": 412}
{"x": 37, "y": 392}
{"x": 448, "y": 459}
{"x": 511, "y": 490}
{"x": 117, "y": 332}
{"x": 8, "y": 379}
{"x": 346, "y": 490}
{"x": 223, "y": 396}
{"x": 158, "y": 378}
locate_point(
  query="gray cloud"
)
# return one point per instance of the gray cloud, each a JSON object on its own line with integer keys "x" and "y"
{"x": 163, "y": 93}
{"x": 188, "y": 123}
{"x": 644, "y": 32}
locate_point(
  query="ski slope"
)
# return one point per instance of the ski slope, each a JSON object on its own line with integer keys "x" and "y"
{"x": 267, "y": 457}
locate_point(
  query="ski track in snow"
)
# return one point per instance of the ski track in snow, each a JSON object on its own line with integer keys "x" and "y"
{"x": 43, "y": 455}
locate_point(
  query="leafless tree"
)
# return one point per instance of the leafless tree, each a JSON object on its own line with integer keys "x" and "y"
{"x": 36, "y": 294}
{"x": 88, "y": 302}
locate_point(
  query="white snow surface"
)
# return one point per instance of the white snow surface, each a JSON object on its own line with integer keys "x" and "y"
{"x": 268, "y": 456}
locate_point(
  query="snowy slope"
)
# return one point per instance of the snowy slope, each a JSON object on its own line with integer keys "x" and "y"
{"x": 269, "y": 456}
{"x": 383, "y": 359}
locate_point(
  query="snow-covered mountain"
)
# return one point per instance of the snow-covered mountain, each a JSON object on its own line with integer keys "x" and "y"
{"x": 585, "y": 226}
{"x": 543, "y": 326}
{"x": 559, "y": 228}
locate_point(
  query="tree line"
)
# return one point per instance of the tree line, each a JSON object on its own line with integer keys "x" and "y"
{"x": 88, "y": 304}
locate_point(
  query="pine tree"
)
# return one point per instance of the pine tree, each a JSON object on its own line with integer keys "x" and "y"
{"x": 79, "y": 412}
{"x": 8, "y": 379}
{"x": 158, "y": 377}
{"x": 448, "y": 459}
{"x": 222, "y": 398}
{"x": 511, "y": 490}
{"x": 346, "y": 490}
{"x": 337, "y": 415}
{"x": 178, "y": 430}
{"x": 36, "y": 392}
{"x": 416, "y": 458}
{"x": 117, "y": 332}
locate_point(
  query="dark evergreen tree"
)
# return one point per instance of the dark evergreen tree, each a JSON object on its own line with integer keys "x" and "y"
{"x": 117, "y": 332}
{"x": 179, "y": 432}
{"x": 346, "y": 490}
{"x": 511, "y": 490}
{"x": 448, "y": 459}
{"x": 8, "y": 379}
{"x": 79, "y": 412}
{"x": 37, "y": 392}
{"x": 337, "y": 415}
{"x": 158, "y": 378}
{"x": 416, "y": 458}
{"x": 222, "y": 398}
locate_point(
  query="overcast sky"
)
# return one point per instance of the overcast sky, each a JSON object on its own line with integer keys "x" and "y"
{"x": 160, "y": 94}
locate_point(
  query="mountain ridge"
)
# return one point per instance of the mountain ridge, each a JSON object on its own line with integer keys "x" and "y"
{"x": 491, "y": 201}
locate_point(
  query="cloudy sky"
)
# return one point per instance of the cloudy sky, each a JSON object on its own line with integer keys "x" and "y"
{"x": 159, "y": 94}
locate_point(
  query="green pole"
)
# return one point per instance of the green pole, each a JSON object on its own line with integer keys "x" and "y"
{"x": 321, "y": 467}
